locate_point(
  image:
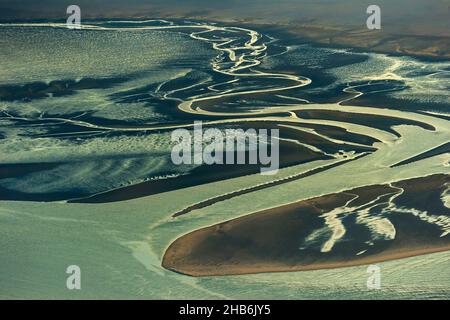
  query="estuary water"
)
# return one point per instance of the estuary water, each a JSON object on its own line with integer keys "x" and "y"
{"x": 84, "y": 112}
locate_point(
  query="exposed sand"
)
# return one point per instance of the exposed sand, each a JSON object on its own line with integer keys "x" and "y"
{"x": 272, "y": 240}
{"x": 237, "y": 269}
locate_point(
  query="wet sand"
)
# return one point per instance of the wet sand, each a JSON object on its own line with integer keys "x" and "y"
{"x": 291, "y": 154}
{"x": 375, "y": 121}
{"x": 9, "y": 170}
{"x": 227, "y": 196}
{"x": 274, "y": 240}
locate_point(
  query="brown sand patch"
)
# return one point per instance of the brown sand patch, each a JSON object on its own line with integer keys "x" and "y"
{"x": 272, "y": 240}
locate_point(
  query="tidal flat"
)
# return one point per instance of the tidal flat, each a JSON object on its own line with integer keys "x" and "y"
{"x": 86, "y": 176}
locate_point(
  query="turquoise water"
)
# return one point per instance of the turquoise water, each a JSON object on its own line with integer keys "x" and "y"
{"x": 115, "y": 249}
{"x": 119, "y": 246}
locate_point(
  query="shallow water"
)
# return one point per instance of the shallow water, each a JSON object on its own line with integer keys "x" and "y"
{"x": 101, "y": 135}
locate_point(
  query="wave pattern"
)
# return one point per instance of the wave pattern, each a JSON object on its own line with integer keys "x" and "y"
{"x": 232, "y": 77}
